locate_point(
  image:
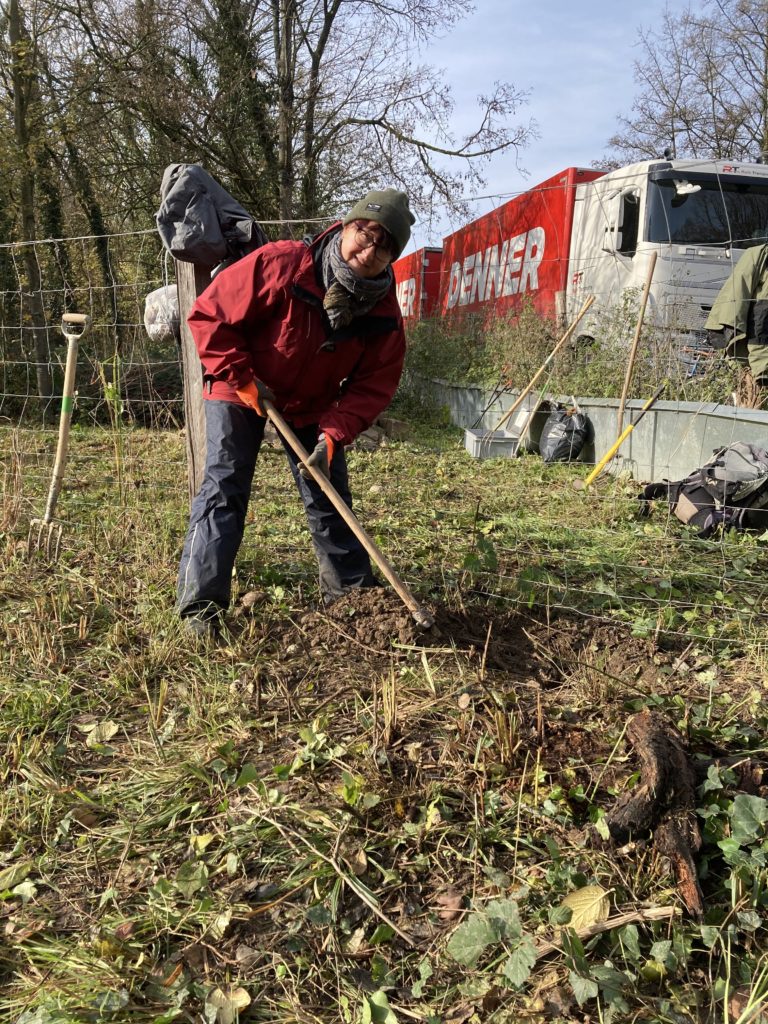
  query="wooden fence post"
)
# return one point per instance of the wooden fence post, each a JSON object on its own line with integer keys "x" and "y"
{"x": 191, "y": 280}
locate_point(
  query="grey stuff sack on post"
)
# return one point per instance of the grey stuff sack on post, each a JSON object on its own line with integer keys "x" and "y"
{"x": 199, "y": 222}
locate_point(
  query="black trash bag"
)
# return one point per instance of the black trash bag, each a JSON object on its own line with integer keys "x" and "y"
{"x": 563, "y": 435}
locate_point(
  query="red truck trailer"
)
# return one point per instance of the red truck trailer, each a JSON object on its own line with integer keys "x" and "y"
{"x": 588, "y": 232}
{"x": 417, "y": 277}
{"x": 519, "y": 251}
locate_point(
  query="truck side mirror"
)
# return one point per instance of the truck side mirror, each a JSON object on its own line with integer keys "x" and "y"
{"x": 612, "y": 212}
{"x": 621, "y": 231}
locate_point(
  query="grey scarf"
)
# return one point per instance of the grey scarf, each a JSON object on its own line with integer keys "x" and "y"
{"x": 348, "y": 295}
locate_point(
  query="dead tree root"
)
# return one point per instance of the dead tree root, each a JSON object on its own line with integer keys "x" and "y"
{"x": 664, "y": 803}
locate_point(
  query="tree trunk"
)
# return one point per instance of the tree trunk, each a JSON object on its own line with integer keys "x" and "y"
{"x": 283, "y": 14}
{"x": 310, "y": 206}
{"x": 23, "y": 79}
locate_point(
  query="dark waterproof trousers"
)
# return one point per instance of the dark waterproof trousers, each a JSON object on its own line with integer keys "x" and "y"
{"x": 217, "y": 520}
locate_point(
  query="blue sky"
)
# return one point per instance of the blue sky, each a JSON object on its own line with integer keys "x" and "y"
{"x": 576, "y": 62}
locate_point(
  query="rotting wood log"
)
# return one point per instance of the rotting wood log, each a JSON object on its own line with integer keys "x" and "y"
{"x": 664, "y": 803}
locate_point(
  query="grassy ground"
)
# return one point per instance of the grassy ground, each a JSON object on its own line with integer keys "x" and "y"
{"x": 334, "y": 817}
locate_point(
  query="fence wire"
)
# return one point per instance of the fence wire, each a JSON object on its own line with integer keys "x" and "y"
{"x": 659, "y": 578}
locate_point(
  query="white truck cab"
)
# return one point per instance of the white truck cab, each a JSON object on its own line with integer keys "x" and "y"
{"x": 698, "y": 216}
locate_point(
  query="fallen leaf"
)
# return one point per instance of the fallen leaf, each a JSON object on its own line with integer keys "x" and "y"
{"x": 15, "y": 874}
{"x": 589, "y": 905}
{"x": 18, "y": 932}
{"x": 358, "y": 862}
{"x": 558, "y": 1003}
{"x": 26, "y": 890}
{"x": 85, "y": 816}
{"x": 246, "y": 955}
{"x": 459, "y": 1014}
{"x": 199, "y": 843}
{"x": 356, "y": 941}
{"x": 744, "y": 1007}
{"x": 219, "y": 925}
{"x": 101, "y": 734}
{"x": 227, "y": 1003}
{"x": 450, "y": 905}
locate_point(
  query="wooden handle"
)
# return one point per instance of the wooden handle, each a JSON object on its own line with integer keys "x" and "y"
{"x": 518, "y": 401}
{"x": 65, "y": 420}
{"x": 421, "y": 615}
{"x": 636, "y": 340}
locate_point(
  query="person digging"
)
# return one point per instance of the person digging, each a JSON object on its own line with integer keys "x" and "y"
{"x": 315, "y": 329}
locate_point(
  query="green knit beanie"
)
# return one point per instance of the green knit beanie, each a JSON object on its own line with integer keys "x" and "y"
{"x": 389, "y": 208}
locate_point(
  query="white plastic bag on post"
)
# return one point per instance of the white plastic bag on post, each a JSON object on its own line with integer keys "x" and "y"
{"x": 161, "y": 314}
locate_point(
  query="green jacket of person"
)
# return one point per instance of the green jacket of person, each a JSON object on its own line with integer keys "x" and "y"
{"x": 738, "y": 320}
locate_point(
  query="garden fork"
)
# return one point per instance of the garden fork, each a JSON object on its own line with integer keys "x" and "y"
{"x": 45, "y": 534}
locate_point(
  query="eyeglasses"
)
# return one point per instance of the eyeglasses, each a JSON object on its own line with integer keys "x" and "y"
{"x": 364, "y": 240}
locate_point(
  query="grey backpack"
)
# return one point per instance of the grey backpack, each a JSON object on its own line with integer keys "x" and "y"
{"x": 729, "y": 491}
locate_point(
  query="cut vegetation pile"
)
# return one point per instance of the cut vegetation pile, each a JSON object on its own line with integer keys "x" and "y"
{"x": 337, "y": 817}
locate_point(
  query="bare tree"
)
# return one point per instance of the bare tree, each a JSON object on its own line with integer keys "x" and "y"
{"x": 703, "y": 85}
{"x": 20, "y": 74}
{"x": 363, "y": 109}
{"x": 295, "y": 105}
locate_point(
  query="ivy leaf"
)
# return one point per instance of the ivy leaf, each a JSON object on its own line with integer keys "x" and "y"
{"x": 630, "y": 940}
{"x": 425, "y": 973}
{"x": 248, "y": 773}
{"x": 749, "y": 920}
{"x": 505, "y": 918}
{"x": 583, "y": 988}
{"x": 662, "y": 951}
{"x": 191, "y": 877}
{"x": 376, "y": 1009}
{"x": 383, "y": 933}
{"x": 748, "y": 816}
{"x": 471, "y": 939}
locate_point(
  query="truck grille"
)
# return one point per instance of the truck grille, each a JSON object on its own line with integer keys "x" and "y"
{"x": 686, "y": 316}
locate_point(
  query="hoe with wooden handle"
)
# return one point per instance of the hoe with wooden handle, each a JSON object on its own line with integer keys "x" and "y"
{"x": 422, "y": 617}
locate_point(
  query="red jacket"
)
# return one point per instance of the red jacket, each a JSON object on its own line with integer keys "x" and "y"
{"x": 263, "y": 316}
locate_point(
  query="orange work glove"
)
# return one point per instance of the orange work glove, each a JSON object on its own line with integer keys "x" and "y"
{"x": 321, "y": 457}
{"x": 253, "y": 393}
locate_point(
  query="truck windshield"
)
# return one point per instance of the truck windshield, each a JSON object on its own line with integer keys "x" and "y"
{"x": 718, "y": 212}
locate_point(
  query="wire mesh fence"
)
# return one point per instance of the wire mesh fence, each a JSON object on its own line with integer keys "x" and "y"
{"x": 121, "y": 368}
{"x": 593, "y": 555}
{"x": 125, "y": 379}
